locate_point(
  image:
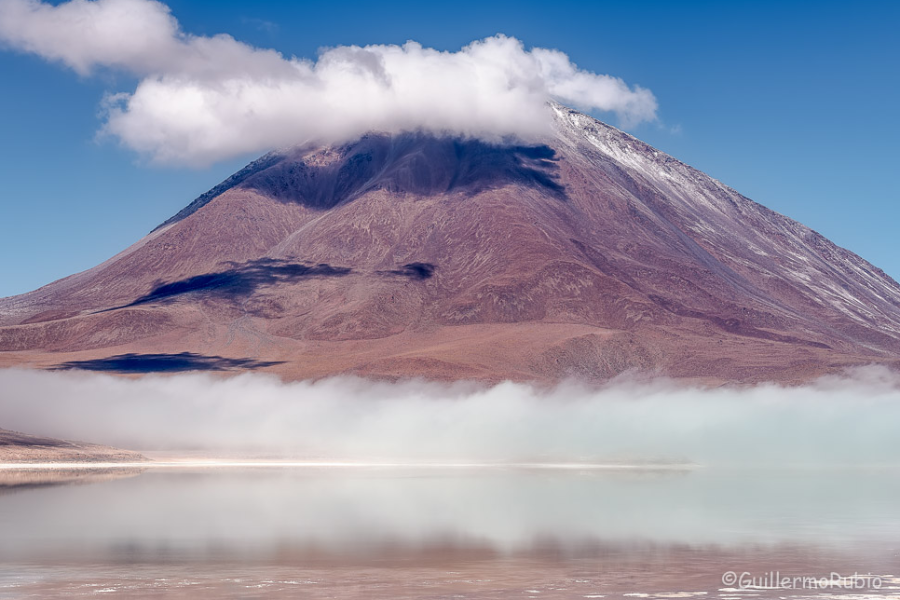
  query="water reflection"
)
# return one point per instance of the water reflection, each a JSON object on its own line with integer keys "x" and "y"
{"x": 21, "y": 479}
{"x": 292, "y": 514}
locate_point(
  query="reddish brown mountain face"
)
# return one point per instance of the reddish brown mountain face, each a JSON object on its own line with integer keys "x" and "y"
{"x": 586, "y": 256}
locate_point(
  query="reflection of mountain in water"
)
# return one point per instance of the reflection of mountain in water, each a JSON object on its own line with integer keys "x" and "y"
{"x": 17, "y": 480}
{"x": 493, "y": 512}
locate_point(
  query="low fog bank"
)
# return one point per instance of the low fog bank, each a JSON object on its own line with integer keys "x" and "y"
{"x": 847, "y": 420}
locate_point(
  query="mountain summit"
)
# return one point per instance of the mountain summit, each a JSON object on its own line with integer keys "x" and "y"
{"x": 587, "y": 255}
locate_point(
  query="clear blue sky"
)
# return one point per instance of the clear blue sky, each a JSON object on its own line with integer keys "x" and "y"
{"x": 794, "y": 104}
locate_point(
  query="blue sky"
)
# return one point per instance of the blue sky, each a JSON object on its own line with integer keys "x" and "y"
{"x": 792, "y": 104}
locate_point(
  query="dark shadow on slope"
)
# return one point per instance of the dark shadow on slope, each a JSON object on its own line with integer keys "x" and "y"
{"x": 240, "y": 281}
{"x": 413, "y": 163}
{"x": 408, "y": 164}
{"x": 163, "y": 363}
{"x": 416, "y": 270}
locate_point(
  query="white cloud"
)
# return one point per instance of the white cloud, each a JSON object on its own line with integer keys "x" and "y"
{"x": 202, "y": 99}
{"x": 834, "y": 421}
{"x": 137, "y": 35}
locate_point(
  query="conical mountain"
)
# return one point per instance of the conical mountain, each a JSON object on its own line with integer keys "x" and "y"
{"x": 588, "y": 255}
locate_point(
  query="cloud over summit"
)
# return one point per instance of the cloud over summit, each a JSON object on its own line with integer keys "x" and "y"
{"x": 202, "y": 99}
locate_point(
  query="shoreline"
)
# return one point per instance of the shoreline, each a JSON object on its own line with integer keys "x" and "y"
{"x": 315, "y": 464}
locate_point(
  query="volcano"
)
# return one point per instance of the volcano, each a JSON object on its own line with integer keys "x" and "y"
{"x": 587, "y": 255}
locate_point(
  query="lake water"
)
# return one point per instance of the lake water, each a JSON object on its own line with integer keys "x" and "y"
{"x": 449, "y": 532}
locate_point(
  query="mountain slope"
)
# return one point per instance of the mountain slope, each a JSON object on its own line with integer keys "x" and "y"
{"x": 588, "y": 255}
{"x": 18, "y": 447}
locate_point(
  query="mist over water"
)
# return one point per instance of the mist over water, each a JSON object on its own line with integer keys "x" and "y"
{"x": 368, "y": 512}
{"x": 847, "y": 420}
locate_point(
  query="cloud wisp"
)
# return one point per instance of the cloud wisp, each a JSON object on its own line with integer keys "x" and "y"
{"x": 834, "y": 421}
{"x": 203, "y": 99}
